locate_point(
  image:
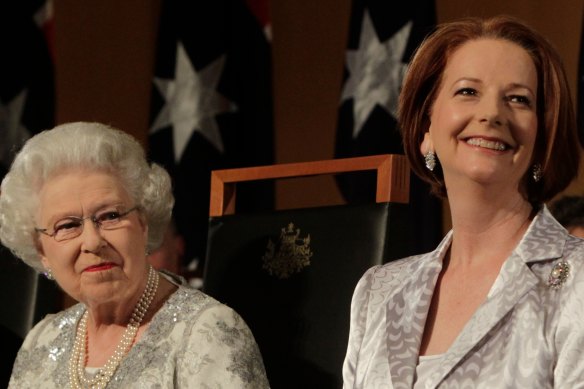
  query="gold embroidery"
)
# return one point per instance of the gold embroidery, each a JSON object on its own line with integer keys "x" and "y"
{"x": 289, "y": 255}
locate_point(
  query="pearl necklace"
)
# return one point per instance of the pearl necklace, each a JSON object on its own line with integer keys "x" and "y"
{"x": 104, "y": 375}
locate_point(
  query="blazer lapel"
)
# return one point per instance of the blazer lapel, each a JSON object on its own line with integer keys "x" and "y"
{"x": 405, "y": 318}
{"x": 514, "y": 281}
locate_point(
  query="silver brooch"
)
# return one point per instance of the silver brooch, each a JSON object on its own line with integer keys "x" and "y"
{"x": 559, "y": 275}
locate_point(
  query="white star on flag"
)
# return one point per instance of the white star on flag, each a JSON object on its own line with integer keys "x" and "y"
{"x": 192, "y": 102}
{"x": 376, "y": 72}
{"x": 14, "y": 134}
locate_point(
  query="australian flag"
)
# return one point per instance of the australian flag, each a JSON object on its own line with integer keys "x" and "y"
{"x": 211, "y": 105}
{"x": 26, "y": 107}
{"x": 383, "y": 35}
{"x": 26, "y": 74}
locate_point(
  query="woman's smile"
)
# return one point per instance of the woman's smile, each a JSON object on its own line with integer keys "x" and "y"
{"x": 488, "y": 144}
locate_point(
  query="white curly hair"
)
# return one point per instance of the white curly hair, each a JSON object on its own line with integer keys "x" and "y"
{"x": 92, "y": 146}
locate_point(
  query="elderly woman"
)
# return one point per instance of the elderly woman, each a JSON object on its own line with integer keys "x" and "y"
{"x": 82, "y": 205}
{"x": 487, "y": 120}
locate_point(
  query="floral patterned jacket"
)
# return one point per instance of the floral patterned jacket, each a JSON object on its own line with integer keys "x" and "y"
{"x": 192, "y": 342}
{"x": 526, "y": 334}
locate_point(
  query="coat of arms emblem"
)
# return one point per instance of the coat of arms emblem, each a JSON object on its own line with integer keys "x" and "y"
{"x": 289, "y": 255}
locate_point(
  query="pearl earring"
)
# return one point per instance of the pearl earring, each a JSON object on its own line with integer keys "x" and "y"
{"x": 49, "y": 274}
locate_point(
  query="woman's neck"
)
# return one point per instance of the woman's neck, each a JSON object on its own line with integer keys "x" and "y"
{"x": 487, "y": 225}
{"x": 115, "y": 311}
{"x": 103, "y": 337}
{"x": 118, "y": 313}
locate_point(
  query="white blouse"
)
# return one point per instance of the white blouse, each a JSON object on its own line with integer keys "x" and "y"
{"x": 427, "y": 364}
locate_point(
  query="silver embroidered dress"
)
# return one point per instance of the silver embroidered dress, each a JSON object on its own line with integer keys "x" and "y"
{"x": 525, "y": 335}
{"x": 192, "y": 342}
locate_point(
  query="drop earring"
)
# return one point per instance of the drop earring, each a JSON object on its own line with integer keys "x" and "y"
{"x": 430, "y": 158}
{"x": 536, "y": 172}
{"x": 49, "y": 274}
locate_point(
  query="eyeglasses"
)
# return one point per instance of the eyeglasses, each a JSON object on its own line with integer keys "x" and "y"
{"x": 72, "y": 226}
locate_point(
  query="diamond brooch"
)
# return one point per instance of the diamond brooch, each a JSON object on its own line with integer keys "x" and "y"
{"x": 559, "y": 275}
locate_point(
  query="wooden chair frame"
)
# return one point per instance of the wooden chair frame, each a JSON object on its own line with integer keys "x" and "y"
{"x": 393, "y": 178}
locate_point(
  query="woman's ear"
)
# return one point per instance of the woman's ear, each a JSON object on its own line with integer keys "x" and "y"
{"x": 45, "y": 261}
{"x": 427, "y": 145}
{"x": 41, "y": 253}
{"x": 38, "y": 246}
{"x": 143, "y": 223}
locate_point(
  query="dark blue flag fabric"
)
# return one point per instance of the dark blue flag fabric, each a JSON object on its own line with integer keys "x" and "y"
{"x": 383, "y": 35}
{"x": 26, "y": 107}
{"x": 211, "y": 105}
{"x": 26, "y": 74}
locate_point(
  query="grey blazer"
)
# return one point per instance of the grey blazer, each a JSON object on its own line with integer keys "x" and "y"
{"x": 526, "y": 334}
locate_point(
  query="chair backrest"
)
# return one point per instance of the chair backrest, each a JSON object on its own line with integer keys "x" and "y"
{"x": 25, "y": 298}
{"x": 393, "y": 178}
{"x": 291, "y": 274}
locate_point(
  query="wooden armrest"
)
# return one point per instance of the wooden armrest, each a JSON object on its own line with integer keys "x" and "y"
{"x": 393, "y": 178}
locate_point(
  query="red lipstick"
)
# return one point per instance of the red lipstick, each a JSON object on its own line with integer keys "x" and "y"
{"x": 100, "y": 267}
